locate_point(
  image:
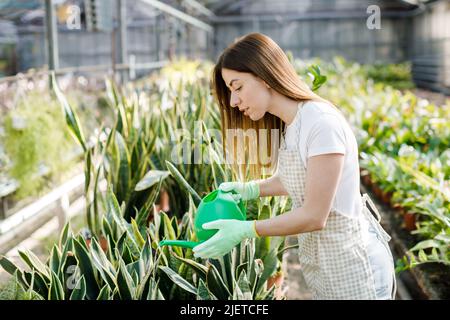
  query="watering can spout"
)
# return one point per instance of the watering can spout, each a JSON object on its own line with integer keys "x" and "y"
{"x": 179, "y": 243}
{"x": 216, "y": 205}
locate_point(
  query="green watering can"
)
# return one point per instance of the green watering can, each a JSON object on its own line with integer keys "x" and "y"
{"x": 216, "y": 205}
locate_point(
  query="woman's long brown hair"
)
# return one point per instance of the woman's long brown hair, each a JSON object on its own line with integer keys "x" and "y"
{"x": 259, "y": 55}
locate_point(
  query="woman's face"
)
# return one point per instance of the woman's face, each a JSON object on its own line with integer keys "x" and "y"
{"x": 247, "y": 92}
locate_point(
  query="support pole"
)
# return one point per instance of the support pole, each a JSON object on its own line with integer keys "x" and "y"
{"x": 122, "y": 39}
{"x": 51, "y": 37}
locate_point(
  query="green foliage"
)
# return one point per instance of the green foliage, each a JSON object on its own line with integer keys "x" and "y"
{"x": 395, "y": 75}
{"x": 35, "y": 139}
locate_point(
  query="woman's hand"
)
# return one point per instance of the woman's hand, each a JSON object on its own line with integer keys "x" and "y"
{"x": 231, "y": 233}
{"x": 246, "y": 190}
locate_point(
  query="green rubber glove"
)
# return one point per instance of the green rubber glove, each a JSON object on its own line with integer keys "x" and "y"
{"x": 231, "y": 233}
{"x": 247, "y": 190}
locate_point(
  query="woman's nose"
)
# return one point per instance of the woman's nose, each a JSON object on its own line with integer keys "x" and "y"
{"x": 234, "y": 100}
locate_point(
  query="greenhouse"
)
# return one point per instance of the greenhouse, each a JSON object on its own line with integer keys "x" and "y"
{"x": 224, "y": 150}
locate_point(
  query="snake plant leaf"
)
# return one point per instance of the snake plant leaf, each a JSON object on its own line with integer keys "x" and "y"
{"x": 203, "y": 293}
{"x": 64, "y": 235}
{"x": 114, "y": 211}
{"x": 179, "y": 178}
{"x": 124, "y": 281}
{"x": 151, "y": 178}
{"x": 12, "y": 269}
{"x": 270, "y": 262}
{"x": 169, "y": 231}
{"x": 124, "y": 172}
{"x": 154, "y": 293}
{"x": 102, "y": 264}
{"x": 34, "y": 263}
{"x": 56, "y": 291}
{"x": 198, "y": 268}
{"x": 55, "y": 261}
{"x": 107, "y": 230}
{"x": 105, "y": 293}
{"x": 79, "y": 292}
{"x": 216, "y": 285}
{"x": 86, "y": 269}
{"x": 137, "y": 234}
{"x": 146, "y": 254}
{"x": 179, "y": 281}
{"x": 144, "y": 284}
{"x": 40, "y": 284}
{"x": 70, "y": 115}
{"x": 9, "y": 266}
{"x": 242, "y": 288}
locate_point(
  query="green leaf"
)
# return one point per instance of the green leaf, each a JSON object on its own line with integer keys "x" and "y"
{"x": 179, "y": 178}
{"x": 55, "y": 263}
{"x": 71, "y": 117}
{"x": 198, "y": 268}
{"x": 151, "y": 178}
{"x": 124, "y": 282}
{"x": 64, "y": 235}
{"x": 216, "y": 284}
{"x": 137, "y": 234}
{"x": 56, "y": 291}
{"x": 124, "y": 173}
{"x": 105, "y": 293}
{"x": 179, "y": 281}
{"x": 86, "y": 269}
{"x": 34, "y": 263}
{"x": 79, "y": 292}
{"x": 102, "y": 264}
{"x": 203, "y": 293}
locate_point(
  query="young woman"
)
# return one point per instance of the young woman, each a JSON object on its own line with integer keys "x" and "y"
{"x": 343, "y": 250}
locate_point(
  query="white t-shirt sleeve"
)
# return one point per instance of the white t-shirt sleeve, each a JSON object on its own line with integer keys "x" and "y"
{"x": 326, "y": 136}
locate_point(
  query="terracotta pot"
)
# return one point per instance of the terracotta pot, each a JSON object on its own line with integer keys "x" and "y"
{"x": 386, "y": 197}
{"x": 378, "y": 192}
{"x": 276, "y": 280}
{"x": 366, "y": 180}
{"x": 164, "y": 201}
{"x": 102, "y": 241}
{"x": 163, "y": 205}
{"x": 409, "y": 220}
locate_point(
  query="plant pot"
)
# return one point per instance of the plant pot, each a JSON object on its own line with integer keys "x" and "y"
{"x": 386, "y": 197}
{"x": 366, "y": 180}
{"x": 276, "y": 280}
{"x": 102, "y": 241}
{"x": 377, "y": 190}
{"x": 164, "y": 201}
{"x": 409, "y": 221}
{"x": 162, "y": 205}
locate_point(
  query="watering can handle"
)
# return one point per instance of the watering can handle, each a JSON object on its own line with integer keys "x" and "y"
{"x": 240, "y": 204}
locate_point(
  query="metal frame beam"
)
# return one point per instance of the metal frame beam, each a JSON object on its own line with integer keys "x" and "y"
{"x": 179, "y": 14}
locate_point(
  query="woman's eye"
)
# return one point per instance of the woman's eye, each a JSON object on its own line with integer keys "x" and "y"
{"x": 239, "y": 89}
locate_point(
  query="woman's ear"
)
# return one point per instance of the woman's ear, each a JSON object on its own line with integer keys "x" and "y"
{"x": 265, "y": 83}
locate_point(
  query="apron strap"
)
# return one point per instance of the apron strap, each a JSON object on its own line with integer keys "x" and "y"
{"x": 375, "y": 223}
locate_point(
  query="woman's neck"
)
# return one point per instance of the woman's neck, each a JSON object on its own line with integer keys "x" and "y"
{"x": 284, "y": 108}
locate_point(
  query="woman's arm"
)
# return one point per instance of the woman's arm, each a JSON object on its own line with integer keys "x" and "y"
{"x": 271, "y": 187}
{"x": 322, "y": 179}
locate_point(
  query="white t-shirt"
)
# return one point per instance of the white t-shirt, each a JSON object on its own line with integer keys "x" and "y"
{"x": 323, "y": 130}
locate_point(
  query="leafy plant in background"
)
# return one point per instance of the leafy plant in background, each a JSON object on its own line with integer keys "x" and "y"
{"x": 36, "y": 142}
